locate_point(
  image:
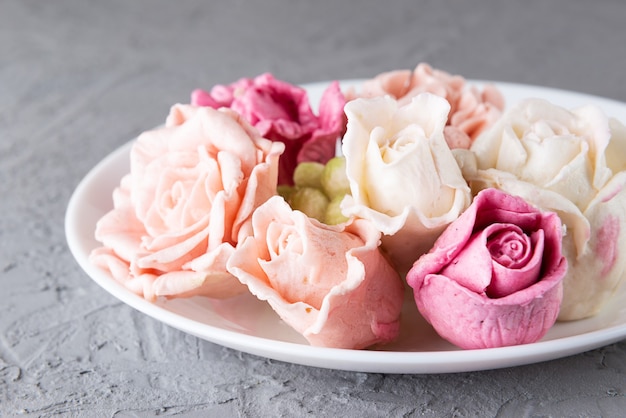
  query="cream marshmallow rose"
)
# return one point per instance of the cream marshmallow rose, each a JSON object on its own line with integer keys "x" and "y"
{"x": 330, "y": 283}
{"x": 402, "y": 174}
{"x": 185, "y": 204}
{"x": 568, "y": 162}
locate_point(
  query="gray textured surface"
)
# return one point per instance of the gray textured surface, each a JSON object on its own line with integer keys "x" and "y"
{"x": 78, "y": 79}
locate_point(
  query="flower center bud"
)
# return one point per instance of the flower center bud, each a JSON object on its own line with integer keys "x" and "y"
{"x": 510, "y": 248}
{"x": 283, "y": 239}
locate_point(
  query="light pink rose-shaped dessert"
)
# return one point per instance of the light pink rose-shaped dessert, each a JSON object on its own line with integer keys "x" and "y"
{"x": 282, "y": 112}
{"x": 187, "y": 201}
{"x": 572, "y": 162}
{"x": 329, "y": 283}
{"x": 494, "y": 277}
{"x": 471, "y": 110}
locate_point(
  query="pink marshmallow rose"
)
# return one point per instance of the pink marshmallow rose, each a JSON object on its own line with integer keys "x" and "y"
{"x": 330, "y": 283}
{"x": 185, "y": 204}
{"x": 471, "y": 110}
{"x": 494, "y": 277}
{"x": 282, "y": 112}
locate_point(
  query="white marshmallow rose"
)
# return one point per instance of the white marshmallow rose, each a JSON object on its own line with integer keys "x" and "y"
{"x": 569, "y": 162}
{"x": 403, "y": 176}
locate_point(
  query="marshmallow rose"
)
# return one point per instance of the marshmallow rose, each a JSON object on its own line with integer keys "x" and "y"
{"x": 472, "y": 110}
{"x": 571, "y": 163}
{"x": 403, "y": 176}
{"x": 281, "y": 112}
{"x": 494, "y": 277}
{"x": 188, "y": 200}
{"x": 330, "y": 283}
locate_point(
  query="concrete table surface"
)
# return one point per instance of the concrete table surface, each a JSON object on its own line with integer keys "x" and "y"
{"x": 80, "y": 78}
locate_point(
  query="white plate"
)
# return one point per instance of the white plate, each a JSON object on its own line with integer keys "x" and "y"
{"x": 248, "y": 325}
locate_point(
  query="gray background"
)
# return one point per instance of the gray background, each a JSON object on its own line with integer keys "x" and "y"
{"x": 80, "y": 78}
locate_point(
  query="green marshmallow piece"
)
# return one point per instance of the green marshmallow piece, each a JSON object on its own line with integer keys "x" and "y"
{"x": 307, "y": 174}
{"x": 285, "y": 191}
{"x": 333, "y": 215}
{"x": 311, "y": 201}
{"x": 334, "y": 179}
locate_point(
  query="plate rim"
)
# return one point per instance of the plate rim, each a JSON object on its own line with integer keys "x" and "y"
{"x": 380, "y": 361}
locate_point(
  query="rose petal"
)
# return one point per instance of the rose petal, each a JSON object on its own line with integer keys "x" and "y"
{"x": 472, "y": 266}
{"x": 203, "y": 276}
{"x": 472, "y": 321}
{"x": 596, "y": 274}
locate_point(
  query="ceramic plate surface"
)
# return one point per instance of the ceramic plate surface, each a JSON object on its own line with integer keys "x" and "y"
{"x": 248, "y": 325}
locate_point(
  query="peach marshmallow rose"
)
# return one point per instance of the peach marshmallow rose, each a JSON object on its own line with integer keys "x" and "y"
{"x": 187, "y": 201}
{"x": 472, "y": 109}
{"x": 330, "y": 283}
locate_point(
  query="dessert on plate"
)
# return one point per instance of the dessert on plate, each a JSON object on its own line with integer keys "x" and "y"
{"x": 498, "y": 218}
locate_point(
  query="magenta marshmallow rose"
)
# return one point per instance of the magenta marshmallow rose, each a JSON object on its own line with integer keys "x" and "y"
{"x": 494, "y": 277}
{"x": 281, "y": 112}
